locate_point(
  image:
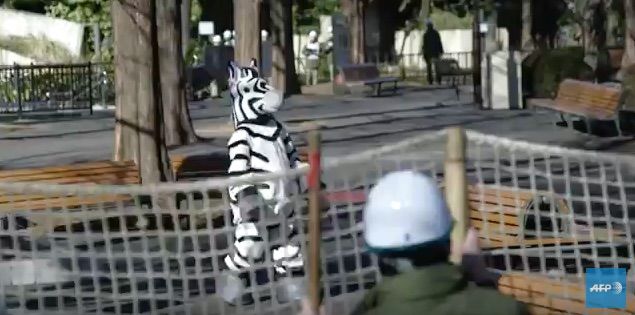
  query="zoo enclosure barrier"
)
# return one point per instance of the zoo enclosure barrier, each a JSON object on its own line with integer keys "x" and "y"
{"x": 54, "y": 87}
{"x": 544, "y": 215}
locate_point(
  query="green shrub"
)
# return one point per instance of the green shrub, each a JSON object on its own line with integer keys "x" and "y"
{"x": 544, "y": 70}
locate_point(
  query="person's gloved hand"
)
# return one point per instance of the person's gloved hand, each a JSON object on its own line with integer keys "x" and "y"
{"x": 473, "y": 262}
{"x": 471, "y": 245}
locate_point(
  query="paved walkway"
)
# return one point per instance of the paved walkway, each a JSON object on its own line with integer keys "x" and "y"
{"x": 350, "y": 123}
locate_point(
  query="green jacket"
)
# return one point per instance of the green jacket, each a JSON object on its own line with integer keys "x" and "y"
{"x": 440, "y": 289}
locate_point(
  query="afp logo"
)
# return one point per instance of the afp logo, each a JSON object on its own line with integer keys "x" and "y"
{"x": 605, "y": 288}
{"x": 615, "y": 288}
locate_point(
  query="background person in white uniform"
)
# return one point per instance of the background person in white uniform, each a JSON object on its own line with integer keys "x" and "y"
{"x": 312, "y": 53}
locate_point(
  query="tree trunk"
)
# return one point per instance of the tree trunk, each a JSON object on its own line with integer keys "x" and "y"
{"x": 178, "y": 125}
{"x": 126, "y": 80}
{"x": 186, "y": 12}
{"x": 627, "y": 71}
{"x": 154, "y": 163}
{"x": 354, "y": 12}
{"x": 526, "y": 40}
{"x": 629, "y": 34}
{"x": 283, "y": 75}
{"x": 247, "y": 26}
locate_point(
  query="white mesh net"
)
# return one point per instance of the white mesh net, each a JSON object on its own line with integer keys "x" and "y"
{"x": 544, "y": 215}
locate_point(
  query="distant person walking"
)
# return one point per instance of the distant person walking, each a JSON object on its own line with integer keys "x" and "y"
{"x": 432, "y": 50}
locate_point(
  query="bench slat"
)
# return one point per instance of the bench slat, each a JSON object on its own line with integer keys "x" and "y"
{"x": 62, "y": 202}
{"x": 14, "y": 198}
{"x": 61, "y": 169}
{"x": 496, "y": 227}
{"x": 477, "y": 215}
{"x": 493, "y": 208}
{"x": 80, "y": 175}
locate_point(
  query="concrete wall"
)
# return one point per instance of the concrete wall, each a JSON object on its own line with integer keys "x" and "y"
{"x": 17, "y": 23}
{"x": 9, "y": 58}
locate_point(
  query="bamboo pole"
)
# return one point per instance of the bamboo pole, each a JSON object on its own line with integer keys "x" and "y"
{"x": 314, "y": 219}
{"x": 456, "y": 189}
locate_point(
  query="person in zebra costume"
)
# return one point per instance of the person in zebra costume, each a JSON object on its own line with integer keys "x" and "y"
{"x": 261, "y": 144}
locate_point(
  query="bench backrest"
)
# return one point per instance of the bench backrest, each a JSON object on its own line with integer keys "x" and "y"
{"x": 589, "y": 96}
{"x": 446, "y": 66}
{"x": 506, "y": 215}
{"x": 199, "y": 166}
{"x": 105, "y": 172}
{"x": 502, "y": 216}
{"x": 361, "y": 72}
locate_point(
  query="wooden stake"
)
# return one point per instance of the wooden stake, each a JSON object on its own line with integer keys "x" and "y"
{"x": 456, "y": 189}
{"x": 314, "y": 220}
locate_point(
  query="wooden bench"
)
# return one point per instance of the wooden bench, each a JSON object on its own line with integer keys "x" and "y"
{"x": 544, "y": 295}
{"x": 509, "y": 218}
{"x": 586, "y": 100}
{"x": 450, "y": 68}
{"x": 94, "y": 173}
{"x": 506, "y": 219}
{"x": 368, "y": 74}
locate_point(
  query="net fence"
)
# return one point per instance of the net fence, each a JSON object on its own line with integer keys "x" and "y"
{"x": 544, "y": 215}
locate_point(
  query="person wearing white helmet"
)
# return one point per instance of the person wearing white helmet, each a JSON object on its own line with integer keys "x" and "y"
{"x": 217, "y": 40}
{"x": 407, "y": 225}
{"x": 264, "y": 35}
{"x": 227, "y": 38}
{"x": 312, "y": 54}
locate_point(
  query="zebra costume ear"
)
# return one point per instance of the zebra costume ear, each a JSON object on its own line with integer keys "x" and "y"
{"x": 232, "y": 70}
{"x": 253, "y": 63}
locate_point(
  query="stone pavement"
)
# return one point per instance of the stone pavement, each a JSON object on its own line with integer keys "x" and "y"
{"x": 349, "y": 123}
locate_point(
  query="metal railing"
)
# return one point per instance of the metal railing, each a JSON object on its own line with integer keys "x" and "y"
{"x": 413, "y": 65}
{"x": 54, "y": 87}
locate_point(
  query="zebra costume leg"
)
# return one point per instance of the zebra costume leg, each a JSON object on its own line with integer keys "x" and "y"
{"x": 252, "y": 220}
{"x": 257, "y": 224}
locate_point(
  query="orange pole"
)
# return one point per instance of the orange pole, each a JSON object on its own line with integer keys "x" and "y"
{"x": 314, "y": 220}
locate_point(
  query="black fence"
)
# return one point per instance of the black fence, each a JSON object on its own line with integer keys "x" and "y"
{"x": 54, "y": 87}
{"x": 410, "y": 66}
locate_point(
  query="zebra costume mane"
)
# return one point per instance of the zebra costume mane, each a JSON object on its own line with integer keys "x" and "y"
{"x": 253, "y": 99}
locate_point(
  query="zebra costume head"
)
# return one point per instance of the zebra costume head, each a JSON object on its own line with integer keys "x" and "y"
{"x": 252, "y": 97}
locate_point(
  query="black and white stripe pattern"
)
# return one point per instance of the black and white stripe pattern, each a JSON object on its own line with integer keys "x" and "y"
{"x": 252, "y": 97}
{"x": 260, "y": 144}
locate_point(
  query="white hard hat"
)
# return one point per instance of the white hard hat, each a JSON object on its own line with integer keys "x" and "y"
{"x": 405, "y": 209}
{"x": 312, "y": 34}
{"x": 216, "y": 39}
{"x": 227, "y": 34}
{"x": 264, "y": 34}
